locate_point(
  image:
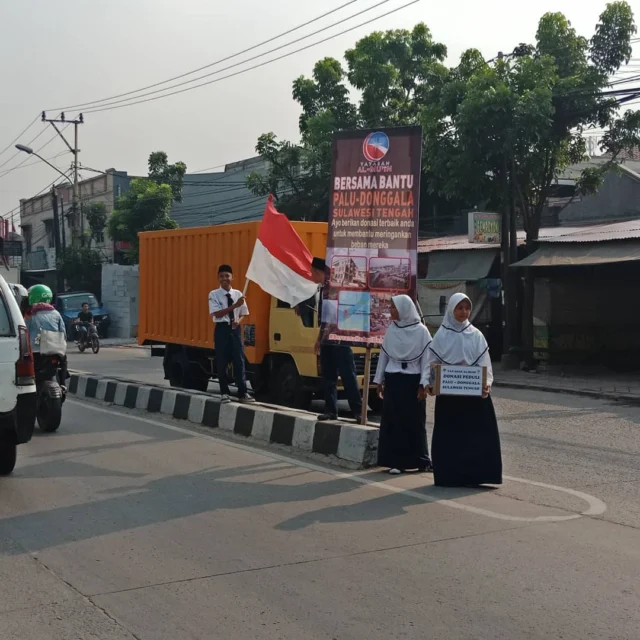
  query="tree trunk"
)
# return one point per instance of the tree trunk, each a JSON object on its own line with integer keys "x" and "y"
{"x": 527, "y": 318}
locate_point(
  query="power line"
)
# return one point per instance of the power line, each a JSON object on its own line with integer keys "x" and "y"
{"x": 20, "y": 134}
{"x": 212, "y": 64}
{"x": 31, "y": 164}
{"x": 17, "y": 153}
{"x": 48, "y": 142}
{"x": 239, "y": 64}
{"x": 237, "y": 73}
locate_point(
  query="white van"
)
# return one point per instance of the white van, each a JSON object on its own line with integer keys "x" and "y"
{"x": 17, "y": 380}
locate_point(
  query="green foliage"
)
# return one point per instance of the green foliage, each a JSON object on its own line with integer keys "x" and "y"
{"x": 493, "y": 130}
{"x": 81, "y": 267}
{"x": 144, "y": 207}
{"x": 518, "y": 122}
{"x": 96, "y": 214}
{"x": 161, "y": 172}
{"x": 394, "y": 71}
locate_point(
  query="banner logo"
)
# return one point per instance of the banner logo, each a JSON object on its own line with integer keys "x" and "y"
{"x": 375, "y": 146}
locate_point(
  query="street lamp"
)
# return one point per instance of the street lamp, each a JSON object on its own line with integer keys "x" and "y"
{"x": 54, "y": 204}
{"x": 31, "y": 152}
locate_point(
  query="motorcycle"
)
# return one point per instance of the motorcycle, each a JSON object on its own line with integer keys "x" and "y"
{"x": 89, "y": 338}
{"x": 50, "y": 391}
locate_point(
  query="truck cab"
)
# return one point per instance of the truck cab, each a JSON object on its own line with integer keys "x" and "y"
{"x": 292, "y": 366}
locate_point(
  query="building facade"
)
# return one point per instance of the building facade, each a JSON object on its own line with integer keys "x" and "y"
{"x": 37, "y": 219}
{"x": 617, "y": 199}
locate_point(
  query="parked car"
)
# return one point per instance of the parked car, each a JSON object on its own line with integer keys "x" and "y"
{"x": 69, "y": 304}
{"x": 17, "y": 380}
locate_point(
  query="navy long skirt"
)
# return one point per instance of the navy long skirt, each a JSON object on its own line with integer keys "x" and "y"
{"x": 403, "y": 433}
{"x": 466, "y": 442}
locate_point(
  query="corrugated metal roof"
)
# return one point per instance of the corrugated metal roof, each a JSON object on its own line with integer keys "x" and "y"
{"x": 562, "y": 254}
{"x": 574, "y": 171}
{"x": 627, "y": 230}
{"x": 219, "y": 198}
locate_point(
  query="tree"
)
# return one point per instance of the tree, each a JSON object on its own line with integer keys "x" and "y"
{"x": 161, "y": 172}
{"x": 393, "y": 70}
{"x": 96, "y": 214}
{"x": 144, "y": 207}
{"x": 299, "y": 174}
{"x": 506, "y": 129}
{"x": 81, "y": 267}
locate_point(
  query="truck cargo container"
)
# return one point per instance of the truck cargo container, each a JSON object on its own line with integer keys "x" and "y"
{"x": 178, "y": 269}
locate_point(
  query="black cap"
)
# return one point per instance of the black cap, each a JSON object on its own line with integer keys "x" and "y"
{"x": 225, "y": 268}
{"x": 318, "y": 263}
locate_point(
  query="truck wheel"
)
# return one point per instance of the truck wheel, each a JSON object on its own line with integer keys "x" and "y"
{"x": 375, "y": 403}
{"x": 176, "y": 376}
{"x": 8, "y": 456}
{"x": 289, "y": 391}
{"x": 198, "y": 380}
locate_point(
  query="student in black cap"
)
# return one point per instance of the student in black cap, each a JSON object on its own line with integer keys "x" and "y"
{"x": 227, "y": 308}
{"x": 334, "y": 360}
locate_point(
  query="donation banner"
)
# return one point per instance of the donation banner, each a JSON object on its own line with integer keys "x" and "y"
{"x": 372, "y": 246}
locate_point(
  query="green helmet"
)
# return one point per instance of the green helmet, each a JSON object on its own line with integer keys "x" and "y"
{"x": 40, "y": 293}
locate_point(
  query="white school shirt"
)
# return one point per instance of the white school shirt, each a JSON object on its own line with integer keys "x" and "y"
{"x": 389, "y": 365}
{"x": 218, "y": 301}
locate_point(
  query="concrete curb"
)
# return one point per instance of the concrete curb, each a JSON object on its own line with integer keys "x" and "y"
{"x": 346, "y": 445}
{"x": 612, "y": 396}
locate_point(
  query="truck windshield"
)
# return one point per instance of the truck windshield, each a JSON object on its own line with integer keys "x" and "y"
{"x": 74, "y": 302}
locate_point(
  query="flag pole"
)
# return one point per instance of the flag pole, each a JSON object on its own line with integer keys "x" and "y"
{"x": 246, "y": 286}
{"x": 365, "y": 384}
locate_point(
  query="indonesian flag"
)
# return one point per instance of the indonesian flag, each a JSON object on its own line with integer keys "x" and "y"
{"x": 281, "y": 263}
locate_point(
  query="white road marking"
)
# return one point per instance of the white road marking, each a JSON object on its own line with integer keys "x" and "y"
{"x": 596, "y": 506}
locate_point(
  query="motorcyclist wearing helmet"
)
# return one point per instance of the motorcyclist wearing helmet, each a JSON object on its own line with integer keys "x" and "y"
{"x": 43, "y": 316}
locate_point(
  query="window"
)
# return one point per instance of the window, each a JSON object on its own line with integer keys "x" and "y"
{"x": 305, "y": 310}
{"x": 99, "y": 237}
{"x": 48, "y": 234}
{"x": 6, "y": 326}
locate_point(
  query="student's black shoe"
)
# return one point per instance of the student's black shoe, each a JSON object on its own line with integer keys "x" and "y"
{"x": 325, "y": 417}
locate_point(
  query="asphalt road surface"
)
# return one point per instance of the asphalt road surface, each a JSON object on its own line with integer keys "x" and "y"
{"x": 124, "y": 526}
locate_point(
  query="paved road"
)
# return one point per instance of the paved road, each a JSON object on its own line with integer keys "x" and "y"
{"x": 120, "y": 362}
{"x": 121, "y": 527}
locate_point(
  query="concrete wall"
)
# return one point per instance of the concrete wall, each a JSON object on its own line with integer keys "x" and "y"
{"x": 120, "y": 296}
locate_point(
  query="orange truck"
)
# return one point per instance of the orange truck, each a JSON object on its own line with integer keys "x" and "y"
{"x": 178, "y": 269}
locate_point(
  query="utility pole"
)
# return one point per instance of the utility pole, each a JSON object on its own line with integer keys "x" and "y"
{"x": 75, "y": 150}
{"x": 506, "y": 262}
{"x": 64, "y": 235}
{"x": 56, "y": 237}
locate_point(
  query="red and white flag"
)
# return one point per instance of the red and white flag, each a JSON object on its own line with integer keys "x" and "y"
{"x": 281, "y": 263}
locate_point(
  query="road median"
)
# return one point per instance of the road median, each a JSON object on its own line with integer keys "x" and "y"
{"x": 340, "y": 443}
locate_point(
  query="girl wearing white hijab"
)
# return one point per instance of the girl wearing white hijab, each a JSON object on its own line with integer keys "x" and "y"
{"x": 401, "y": 376}
{"x": 466, "y": 442}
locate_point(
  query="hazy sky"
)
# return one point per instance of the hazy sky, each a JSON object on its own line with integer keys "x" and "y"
{"x": 67, "y": 52}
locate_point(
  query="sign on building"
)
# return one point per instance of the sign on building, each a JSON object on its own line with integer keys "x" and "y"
{"x": 484, "y": 228}
{"x": 372, "y": 246}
